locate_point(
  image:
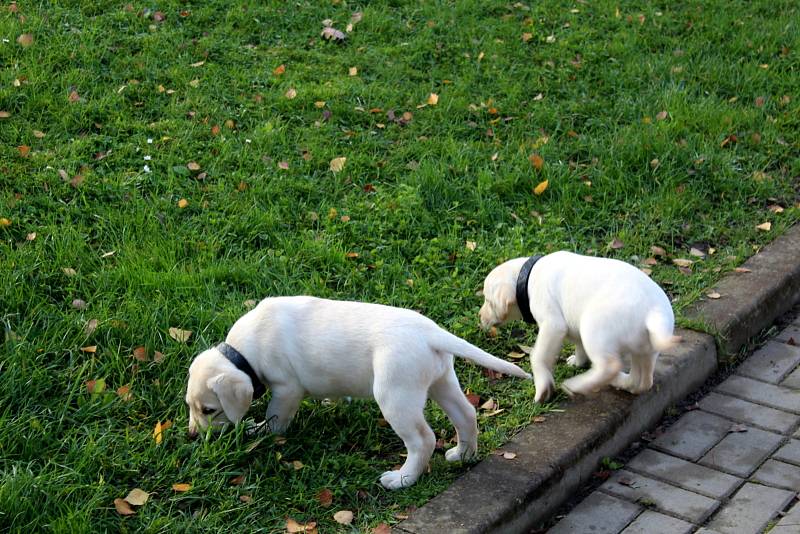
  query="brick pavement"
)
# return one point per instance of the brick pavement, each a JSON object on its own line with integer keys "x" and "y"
{"x": 731, "y": 466}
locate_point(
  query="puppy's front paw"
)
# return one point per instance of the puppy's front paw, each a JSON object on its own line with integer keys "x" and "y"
{"x": 460, "y": 454}
{"x": 393, "y": 480}
{"x": 545, "y": 387}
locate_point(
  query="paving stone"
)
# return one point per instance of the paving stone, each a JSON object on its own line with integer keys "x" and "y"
{"x": 790, "y": 332}
{"x": 771, "y": 363}
{"x": 748, "y": 412}
{"x": 790, "y": 524}
{"x": 796, "y": 433}
{"x": 789, "y": 453}
{"x": 693, "y": 435}
{"x": 793, "y": 380}
{"x": 705, "y": 530}
{"x": 762, "y": 393}
{"x": 779, "y": 475}
{"x": 599, "y": 514}
{"x": 741, "y": 453}
{"x": 689, "y": 476}
{"x": 649, "y": 522}
{"x": 750, "y": 509}
{"x": 665, "y": 497}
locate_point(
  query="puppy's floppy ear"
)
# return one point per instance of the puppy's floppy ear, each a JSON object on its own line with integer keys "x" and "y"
{"x": 235, "y": 393}
{"x": 502, "y": 298}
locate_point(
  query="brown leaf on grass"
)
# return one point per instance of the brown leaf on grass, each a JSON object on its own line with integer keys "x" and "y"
{"x": 122, "y": 507}
{"x": 539, "y": 419}
{"x": 492, "y": 332}
{"x": 616, "y": 244}
{"x": 140, "y": 353}
{"x": 293, "y": 527}
{"x": 650, "y": 261}
{"x": 76, "y": 180}
{"x": 662, "y": 115}
{"x": 237, "y": 480}
{"x": 343, "y": 517}
{"x": 79, "y": 304}
{"x": 730, "y": 140}
{"x": 471, "y": 245}
{"x": 742, "y": 270}
{"x": 433, "y": 99}
{"x": 526, "y": 36}
{"x": 245, "y": 498}
{"x": 181, "y": 487}
{"x": 280, "y": 69}
{"x": 284, "y": 165}
{"x": 473, "y": 399}
{"x": 181, "y": 336}
{"x": 681, "y": 262}
{"x": 759, "y": 101}
{"x": 325, "y": 497}
{"x": 97, "y": 385}
{"x": 291, "y": 93}
{"x": 215, "y": 130}
{"x": 74, "y": 96}
{"x": 124, "y": 392}
{"x": 330, "y": 33}
{"x": 509, "y": 455}
{"x": 764, "y": 227}
{"x": 193, "y": 166}
{"x": 537, "y": 161}
{"x": 24, "y": 150}
{"x": 382, "y": 528}
{"x": 137, "y": 497}
{"x": 91, "y": 349}
{"x": 158, "y": 16}
{"x": 713, "y": 295}
{"x": 658, "y": 251}
{"x": 696, "y": 252}
{"x": 25, "y": 40}
{"x": 489, "y": 405}
{"x": 775, "y": 208}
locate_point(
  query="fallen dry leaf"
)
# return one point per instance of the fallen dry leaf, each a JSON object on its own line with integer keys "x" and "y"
{"x": 646, "y": 270}
{"x": 122, "y": 507}
{"x": 537, "y": 161}
{"x": 492, "y": 332}
{"x": 433, "y": 99}
{"x": 291, "y": 93}
{"x": 38, "y": 134}
{"x": 79, "y": 304}
{"x": 30, "y": 237}
{"x": 742, "y": 270}
{"x": 90, "y": 349}
{"x": 95, "y": 386}
{"x": 26, "y": 39}
{"x": 352, "y": 71}
{"x": 489, "y": 405}
{"x": 245, "y": 498}
{"x": 124, "y": 392}
{"x": 298, "y": 465}
{"x": 181, "y": 336}
{"x": 343, "y": 517}
{"x": 658, "y": 251}
{"x": 473, "y": 399}
{"x": 515, "y": 355}
{"x": 140, "y": 353}
{"x": 325, "y": 497}
{"x": 91, "y": 326}
{"x": 774, "y": 208}
{"x": 74, "y": 96}
{"x": 471, "y": 245}
{"x": 193, "y": 166}
{"x": 337, "y": 164}
{"x": 509, "y": 455}
{"x": 280, "y": 69}
{"x": 541, "y": 188}
{"x": 650, "y": 261}
{"x": 283, "y": 165}
{"x": 198, "y": 64}
{"x": 713, "y": 295}
{"x": 526, "y": 36}
{"x": 24, "y": 150}
{"x": 681, "y": 262}
{"x": 697, "y": 253}
{"x": 237, "y": 480}
{"x": 181, "y": 487}
{"x": 158, "y": 435}
{"x": 661, "y": 115}
{"x": 382, "y": 528}
{"x": 539, "y": 419}
{"x": 182, "y": 203}
{"x": 137, "y": 497}
{"x": 766, "y": 227}
{"x": 293, "y": 526}
{"x": 616, "y": 244}
{"x": 332, "y": 34}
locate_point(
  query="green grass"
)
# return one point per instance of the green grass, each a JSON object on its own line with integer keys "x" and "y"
{"x": 414, "y": 195}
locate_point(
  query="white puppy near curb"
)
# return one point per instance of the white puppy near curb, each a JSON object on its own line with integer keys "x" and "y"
{"x": 330, "y": 349}
{"x": 607, "y": 307}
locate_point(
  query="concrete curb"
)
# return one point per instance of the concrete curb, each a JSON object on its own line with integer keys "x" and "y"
{"x": 558, "y": 456}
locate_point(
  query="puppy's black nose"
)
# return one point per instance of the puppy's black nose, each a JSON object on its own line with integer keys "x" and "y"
{"x": 192, "y": 434}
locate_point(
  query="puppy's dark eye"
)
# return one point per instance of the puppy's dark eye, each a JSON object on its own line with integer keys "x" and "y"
{"x": 208, "y": 411}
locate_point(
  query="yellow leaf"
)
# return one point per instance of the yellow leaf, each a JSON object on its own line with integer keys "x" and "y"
{"x": 195, "y": 83}
{"x": 90, "y": 349}
{"x": 4, "y": 223}
{"x": 181, "y": 487}
{"x": 26, "y": 39}
{"x": 766, "y": 227}
{"x": 280, "y": 69}
{"x": 471, "y": 245}
{"x": 181, "y": 336}
{"x": 137, "y": 497}
{"x": 319, "y": 104}
{"x": 198, "y": 64}
{"x": 182, "y": 203}
{"x": 353, "y": 71}
{"x": 541, "y": 188}
{"x": 337, "y": 164}
{"x": 157, "y": 434}
{"x": 526, "y": 37}
{"x": 298, "y": 465}
{"x": 433, "y": 99}
{"x": 291, "y": 93}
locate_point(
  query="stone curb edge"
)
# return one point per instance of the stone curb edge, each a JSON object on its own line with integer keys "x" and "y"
{"x": 558, "y": 456}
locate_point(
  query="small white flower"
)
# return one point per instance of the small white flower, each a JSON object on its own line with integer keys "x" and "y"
{"x": 148, "y": 158}
{"x": 149, "y": 140}
{"x": 247, "y": 141}
{"x": 147, "y": 168}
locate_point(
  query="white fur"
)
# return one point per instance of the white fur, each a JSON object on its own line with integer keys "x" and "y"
{"x": 330, "y": 349}
{"x": 607, "y": 307}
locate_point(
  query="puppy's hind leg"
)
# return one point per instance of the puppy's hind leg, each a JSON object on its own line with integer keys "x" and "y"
{"x": 605, "y": 368}
{"x": 447, "y": 393}
{"x": 402, "y": 406}
{"x": 579, "y": 359}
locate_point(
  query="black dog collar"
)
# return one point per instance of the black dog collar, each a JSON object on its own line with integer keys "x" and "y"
{"x": 236, "y": 358}
{"x": 523, "y": 301}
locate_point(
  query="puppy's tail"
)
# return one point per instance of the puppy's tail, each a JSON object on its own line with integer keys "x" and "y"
{"x": 444, "y": 341}
{"x": 660, "y": 327}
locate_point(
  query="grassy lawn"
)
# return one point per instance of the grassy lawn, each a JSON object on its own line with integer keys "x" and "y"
{"x": 157, "y": 165}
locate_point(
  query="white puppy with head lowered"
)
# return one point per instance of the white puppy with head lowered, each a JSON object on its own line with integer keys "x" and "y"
{"x": 607, "y": 307}
{"x": 329, "y": 349}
